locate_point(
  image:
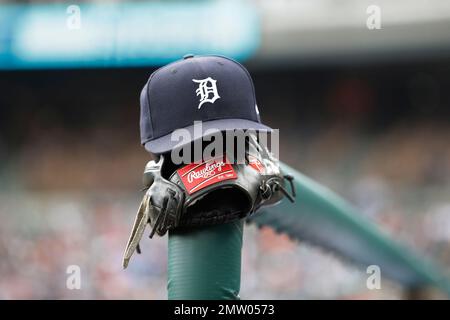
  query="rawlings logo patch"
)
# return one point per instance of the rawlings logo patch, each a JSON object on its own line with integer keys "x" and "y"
{"x": 198, "y": 176}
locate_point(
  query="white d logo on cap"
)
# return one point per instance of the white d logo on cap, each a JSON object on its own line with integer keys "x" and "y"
{"x": 207, "y": 90}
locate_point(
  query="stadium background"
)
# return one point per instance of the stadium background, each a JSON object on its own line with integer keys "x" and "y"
{"x": 368, "y": 117}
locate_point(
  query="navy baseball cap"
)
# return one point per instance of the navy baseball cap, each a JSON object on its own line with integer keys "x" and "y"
{"x": 213, "y": 89}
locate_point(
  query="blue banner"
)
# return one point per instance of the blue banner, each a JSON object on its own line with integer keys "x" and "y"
{"x": 124, "y": 34}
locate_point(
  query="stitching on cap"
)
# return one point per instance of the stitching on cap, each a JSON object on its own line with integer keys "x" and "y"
{"x": 148, "y": 103}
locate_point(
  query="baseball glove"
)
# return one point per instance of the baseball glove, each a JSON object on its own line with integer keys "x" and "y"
{"x": 210, "y": 192}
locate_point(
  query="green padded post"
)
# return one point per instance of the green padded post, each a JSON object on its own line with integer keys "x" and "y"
{"x": 205, "y": 263}
{"x": 321, "y": 217}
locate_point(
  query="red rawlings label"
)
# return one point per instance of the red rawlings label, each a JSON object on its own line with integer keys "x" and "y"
{"x": 197, "y": 176}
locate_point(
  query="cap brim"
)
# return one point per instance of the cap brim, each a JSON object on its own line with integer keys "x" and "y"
{"x": 168, "y": 142}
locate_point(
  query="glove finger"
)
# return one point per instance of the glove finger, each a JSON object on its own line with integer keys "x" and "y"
{"x": 138, "y": 230}
{"x": 160, "y": 221}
